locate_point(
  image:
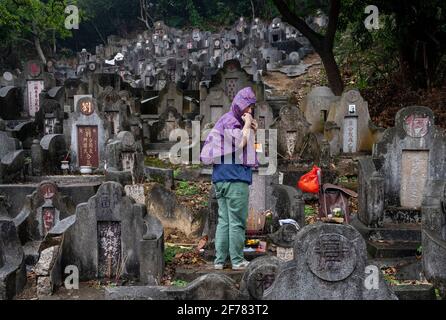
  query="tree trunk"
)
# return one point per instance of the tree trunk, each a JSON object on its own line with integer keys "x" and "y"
{"x": 322, "y": 44}
{"x": 39, "y": 49}
{"x": 54, "y": 42}
{"x": 333, "y": 74}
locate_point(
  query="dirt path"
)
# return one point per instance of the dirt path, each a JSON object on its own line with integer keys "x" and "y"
{"x": 299, "y": 86}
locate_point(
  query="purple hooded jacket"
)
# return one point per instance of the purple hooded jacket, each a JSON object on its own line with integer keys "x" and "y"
{"x": 227, "y": 134}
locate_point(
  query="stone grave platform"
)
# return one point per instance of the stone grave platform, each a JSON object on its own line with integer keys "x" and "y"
{"x": 79, "y": 188}
{"x": 191, "y": 273}
{"x": 411, "y": 285}
{"x": 393, "y": 240}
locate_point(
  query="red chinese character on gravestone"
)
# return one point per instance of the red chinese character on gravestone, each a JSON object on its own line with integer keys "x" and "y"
{"x": 416, "y": 126}
{"x": 48, "y": 190}
{"x": 48, "y": 219}
{"x": 86, "y": 106}
{"x": 34, "y": 69}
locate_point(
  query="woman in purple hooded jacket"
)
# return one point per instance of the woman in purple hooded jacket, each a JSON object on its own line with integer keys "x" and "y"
{"x": 230, "y": 148}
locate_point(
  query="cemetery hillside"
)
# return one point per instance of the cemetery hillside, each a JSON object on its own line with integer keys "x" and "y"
{"x": 222, "y": 150}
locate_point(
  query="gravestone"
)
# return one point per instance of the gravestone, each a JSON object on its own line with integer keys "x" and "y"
{"x": 259, "y": 276}
{"x": 288, "y": 203}
{"x": 12, "y": 156}
{"x": 116, "y": 111}
{"x": 54, "y": 150}
{"x": 284, "y": 240}
{"x": 232, "y": 78}
{"x": 123, "y": 239}
{"x": 168, "y": 121}
{"x": 34, "y": 86}
{"x": 10, "y": 103}
{"x": 171, "y": 97}
{"x": 329, "y": 264}
{"x": 88, "y": 134}
{"x": 211, "y": 286}
{"x": 292, "y": 128}
{"x": 12, "y": 261}
{"x": 123, "y": 154}
{"x": 392, "y": 182}
{"x": 42, "y": 210}
{"x": 262, "y": 186}
{"x": 433, "y": 237}
{"x": 316, "y": 107}
{"x": 276, "y": 31}
{"x": 213, "y": 104}
{"x": 264, "y": 115}
{"x": 357, "y": 132}
{"x": 50, "y": 116}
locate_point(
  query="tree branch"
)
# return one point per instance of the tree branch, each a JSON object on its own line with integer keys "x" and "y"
{"x": 315, "y": 38}
{"x": 25, "y": 40}
{"x": 333, "y": 17}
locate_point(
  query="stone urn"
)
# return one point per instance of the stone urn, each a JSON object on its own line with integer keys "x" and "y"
{"x": 65, "y": 166}
{"x": 86, "y": 170}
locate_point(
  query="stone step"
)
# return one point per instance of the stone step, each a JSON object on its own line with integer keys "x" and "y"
{"x": 407, "y": 268}
{"x": 160, "y": 146}
{"x": 400, "y": 215}
{"x": 400, "y": 233}
{"x": 31, "y": 252}
{"x": 190, "y": 274}
{"x": 209, "y": 255}
{"x": 392, "y": 249}
{"x": 415, "y": 292}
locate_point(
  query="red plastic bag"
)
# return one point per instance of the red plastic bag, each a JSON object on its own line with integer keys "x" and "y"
{"x": 309, "y": 182}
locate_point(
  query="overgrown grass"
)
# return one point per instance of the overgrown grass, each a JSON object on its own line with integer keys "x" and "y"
{"x": 309, "y": 210}
{"x": 179, "y": 283}
{"x": 171, "y": 251}
{"x": 185, "y": 188}
{"x": 156, "y": 162}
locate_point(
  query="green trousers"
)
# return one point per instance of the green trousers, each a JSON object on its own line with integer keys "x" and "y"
{"x": 232, "y": 200}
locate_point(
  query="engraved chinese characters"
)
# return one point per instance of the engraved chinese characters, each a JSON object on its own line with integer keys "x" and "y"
{"x": 414, "y": 174}
{"x": 47, "y": 190}
{"x": 109, "y": 248}
{"x": 329, "y": 264}
{"x": 35, "y": 87}
{"x": 48, "y": 218}
{"x": 416, "y": 126}
{"x": 350, "y": 139}
{"x": 89, "y": 133}
{"x": 331, "y": 257}
{"x": 114, "y": 236}
{"x": 86, "y": 106}
{"x": 88, "y": 146}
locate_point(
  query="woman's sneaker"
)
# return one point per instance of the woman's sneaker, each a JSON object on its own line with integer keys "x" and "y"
{"x": 240, "y": 266}
{"x": 218, "y": 266}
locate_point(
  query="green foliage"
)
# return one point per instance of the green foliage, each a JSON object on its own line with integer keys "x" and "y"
{"x": 176, "y": 173}
{"x": 309, "y": 210}
{"x": 156, "y": 162}
{"x": 158, "y": 178}
{"x": 408, "y": 40}
{"x": 171, "y": 251}
{"x": 366, "y": 58}
{"x": 29, "y": 18}
{"x": 204, "y": 203}
{"x": 179, "y": 283}
{"x": 419, "y": 250}
{"x": 390, "y": 279}
{"x": 185, "y": 188}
